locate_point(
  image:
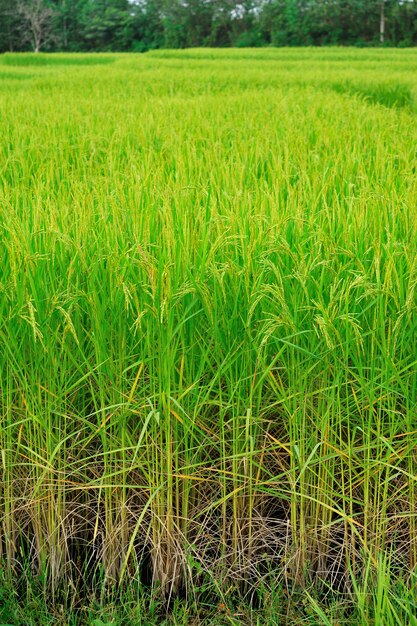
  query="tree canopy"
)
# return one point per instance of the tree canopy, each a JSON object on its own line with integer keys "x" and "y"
{"x": 139, "y": 25}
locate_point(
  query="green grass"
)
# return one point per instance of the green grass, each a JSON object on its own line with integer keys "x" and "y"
{"x": 16, "y": 59}
{"x": 208, "y": 326}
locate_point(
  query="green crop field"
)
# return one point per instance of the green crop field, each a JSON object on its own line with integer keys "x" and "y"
{"x": 208, "y": 331}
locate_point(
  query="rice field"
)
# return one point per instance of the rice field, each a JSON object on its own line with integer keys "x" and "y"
{"x": 208, "y": 327}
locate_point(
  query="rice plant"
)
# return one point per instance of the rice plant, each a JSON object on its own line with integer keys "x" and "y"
{"x": 208, "y": 323}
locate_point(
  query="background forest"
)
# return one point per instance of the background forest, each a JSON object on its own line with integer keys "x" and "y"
{"x": 140, "y": 25}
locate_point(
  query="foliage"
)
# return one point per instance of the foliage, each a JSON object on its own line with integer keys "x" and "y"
{"x": 139, "y": 25}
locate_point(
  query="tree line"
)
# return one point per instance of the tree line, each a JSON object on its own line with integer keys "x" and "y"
{"x": 140, "y": 25}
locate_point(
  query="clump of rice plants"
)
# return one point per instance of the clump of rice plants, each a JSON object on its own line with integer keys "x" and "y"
{"x": 208, "y": 326}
